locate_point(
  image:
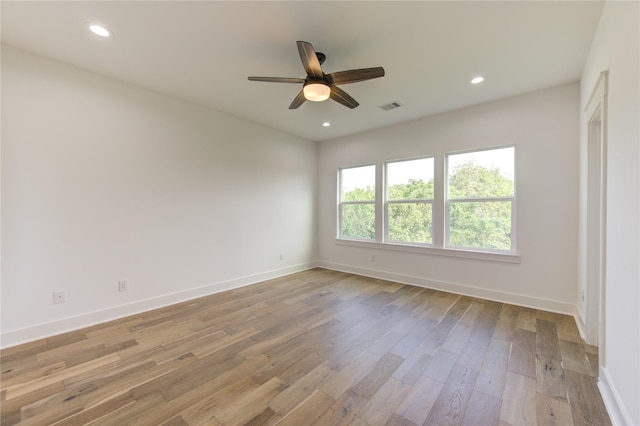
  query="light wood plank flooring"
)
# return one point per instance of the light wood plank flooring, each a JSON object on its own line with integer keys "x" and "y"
{"x": 314, "y": 348}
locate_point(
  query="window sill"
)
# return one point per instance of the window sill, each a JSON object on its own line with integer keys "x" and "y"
{"x": 459, "y": 253}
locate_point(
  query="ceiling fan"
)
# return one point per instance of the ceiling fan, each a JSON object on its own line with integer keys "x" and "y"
{"x": 319, "y": 86}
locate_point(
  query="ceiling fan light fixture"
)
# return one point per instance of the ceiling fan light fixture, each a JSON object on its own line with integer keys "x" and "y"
{"x": 319, "y": 86}
{"x": 316, "y": 92}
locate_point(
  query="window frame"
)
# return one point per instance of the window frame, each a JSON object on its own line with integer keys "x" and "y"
{"x": 440, "y": 213}
{"x": 341, "y": 203}
{"x": 387, "y": 202}
{"x": 448, "y": 201}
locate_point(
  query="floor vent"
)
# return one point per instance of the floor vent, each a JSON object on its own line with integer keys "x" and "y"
{"x": 392, "y": 105}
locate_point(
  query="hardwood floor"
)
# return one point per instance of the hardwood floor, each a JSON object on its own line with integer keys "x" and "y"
{"x": 314, "y": 348}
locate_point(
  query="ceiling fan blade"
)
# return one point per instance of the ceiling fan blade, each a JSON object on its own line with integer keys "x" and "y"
{"x": 309, "y": 59}
{"x": 277, "y": 79}
{"x": 352, "y": 76}
{"x": 343, "y": 97}
{"x": 299, "y": 100}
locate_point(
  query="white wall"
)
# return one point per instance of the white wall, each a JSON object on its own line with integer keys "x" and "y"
{"x": 103, "y": 181}
{"x": 616, "y": 47}
{"x": 544, "y": 128}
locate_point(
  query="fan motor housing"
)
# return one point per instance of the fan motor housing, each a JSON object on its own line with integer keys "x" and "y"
{"x": 315, "y": 80}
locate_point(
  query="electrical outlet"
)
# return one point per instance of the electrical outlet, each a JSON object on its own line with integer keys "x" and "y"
{"x": 281, "y": 256}
{"x": 59, "y": 297}
{"x": 123, "y": 285}
{"x": 373, "y": 257}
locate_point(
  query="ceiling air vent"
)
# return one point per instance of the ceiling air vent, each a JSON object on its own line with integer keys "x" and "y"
{"x": 392, "y": 105}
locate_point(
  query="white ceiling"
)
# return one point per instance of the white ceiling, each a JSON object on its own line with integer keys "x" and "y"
{"x": 203, "y": 51}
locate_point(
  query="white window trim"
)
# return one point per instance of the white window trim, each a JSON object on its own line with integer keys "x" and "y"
{"x": 341, "y": 203}
{"x": 386, "y": 201}
{"x": 501, "y": 256}
{"x": 447, "y": 204}
{"x": 440, "y": 209}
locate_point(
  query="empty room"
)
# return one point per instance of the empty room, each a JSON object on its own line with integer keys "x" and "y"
{"x": 320, "y": 213}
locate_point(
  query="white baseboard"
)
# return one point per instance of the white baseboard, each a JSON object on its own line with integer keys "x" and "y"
{"x": 617, "y": 412}
{"x": 498, "y": 296}
{"x": 40, "y": 331}
{"x": 579, "y": 317}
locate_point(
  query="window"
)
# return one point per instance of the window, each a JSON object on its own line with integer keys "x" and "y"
{"x": 480, "y": 196}
{"x": 458, "y": 204}
{"x": 357, "y": 216}
{"x": 409, "y": 201}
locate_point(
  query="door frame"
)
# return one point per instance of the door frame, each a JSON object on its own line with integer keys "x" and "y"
{"x": 595, "y": 285}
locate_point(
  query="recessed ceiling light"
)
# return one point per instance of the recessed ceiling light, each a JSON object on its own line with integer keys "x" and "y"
{"x": 99, "y": 30}
{"x": 326, "y": 124}
{"x": 477, "y": 80}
